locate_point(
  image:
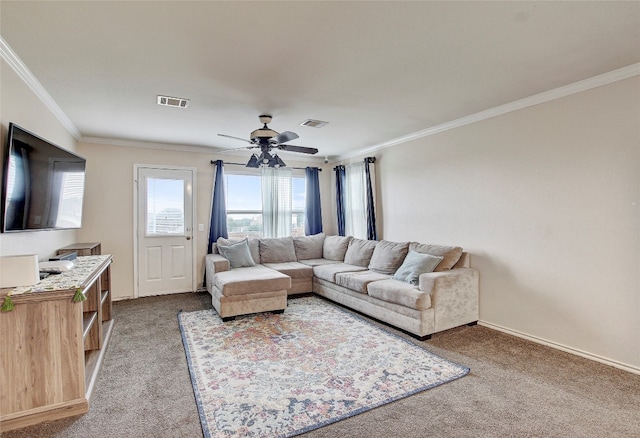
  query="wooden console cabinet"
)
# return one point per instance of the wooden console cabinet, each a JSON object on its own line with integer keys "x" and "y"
{"x": 51, "y": 346}
{"x": 82, "y": 249}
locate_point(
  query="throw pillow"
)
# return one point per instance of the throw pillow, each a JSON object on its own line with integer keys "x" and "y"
{"x": 359, "y": 252}
{"x": 451, "y": 254}
{"x": 238, "y": 254}
{"x": 335, "y": 247}
{"x": 309, "y": 247}
{"x": 414, "y": 265}
{"x": 277, "y": 250}
{"x": 388, "y": 256}
{"x": 253, "y": 246}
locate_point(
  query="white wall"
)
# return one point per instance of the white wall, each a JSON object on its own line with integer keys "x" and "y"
{"x": 109, "y": 200}
{"x": 546, "y": 199}
{"x": 18, "y": 104}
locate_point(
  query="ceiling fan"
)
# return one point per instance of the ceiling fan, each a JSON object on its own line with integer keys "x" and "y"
{"x": 267, "y": 139}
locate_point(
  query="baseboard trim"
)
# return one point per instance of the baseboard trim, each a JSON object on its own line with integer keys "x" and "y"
{"x": 586, "y": 355}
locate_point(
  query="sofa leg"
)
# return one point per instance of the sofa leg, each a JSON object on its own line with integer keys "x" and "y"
{"x": 471, "y": 324}
{"x": 278, "y": 311}
{"x": 423, "y": 338}
{"x": 228, "y": 318}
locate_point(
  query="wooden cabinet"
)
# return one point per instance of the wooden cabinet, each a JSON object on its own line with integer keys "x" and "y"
{"x": 51, "y": 346}
{"x": 82, "y": 249}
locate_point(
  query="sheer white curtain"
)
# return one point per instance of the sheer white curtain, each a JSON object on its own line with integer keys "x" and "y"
{"x": 355, "y": 201}
{"x": 276, "y": 201}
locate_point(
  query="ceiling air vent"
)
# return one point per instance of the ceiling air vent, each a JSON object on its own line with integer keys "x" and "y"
{"x": 173, "y": 101}
{"x": 314, "y": 123}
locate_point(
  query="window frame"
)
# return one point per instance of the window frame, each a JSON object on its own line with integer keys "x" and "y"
{"x": 295, "y": 174}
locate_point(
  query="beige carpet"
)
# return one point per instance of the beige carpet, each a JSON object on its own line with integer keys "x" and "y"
{"x": 515, "y": 388}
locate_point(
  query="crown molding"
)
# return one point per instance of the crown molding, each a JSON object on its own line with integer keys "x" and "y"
{"x": 11, "y": 58}
{"x": 546, "y": 96}
{"x": 146, "y": 144}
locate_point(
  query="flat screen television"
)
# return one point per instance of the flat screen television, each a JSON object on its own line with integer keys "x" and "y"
{"x": 43, "y": 184}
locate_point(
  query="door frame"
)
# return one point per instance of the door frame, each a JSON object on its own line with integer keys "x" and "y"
{"x": 136, "y": 230}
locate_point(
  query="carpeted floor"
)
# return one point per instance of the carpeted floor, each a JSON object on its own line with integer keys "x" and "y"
{"x": 515, "y": 388}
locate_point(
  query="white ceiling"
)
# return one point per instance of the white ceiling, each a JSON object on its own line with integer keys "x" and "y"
{"x": 375, "y": 70}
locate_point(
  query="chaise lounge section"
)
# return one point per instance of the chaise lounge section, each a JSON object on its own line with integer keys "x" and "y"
{"x": 421, "y": 289}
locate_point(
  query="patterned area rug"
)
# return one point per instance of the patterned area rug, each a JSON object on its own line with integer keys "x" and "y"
{"x": 279, "y": 375}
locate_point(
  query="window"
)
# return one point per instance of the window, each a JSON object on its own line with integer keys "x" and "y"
{"x": 165, "y": 206}
{"x": 244, "y": 205}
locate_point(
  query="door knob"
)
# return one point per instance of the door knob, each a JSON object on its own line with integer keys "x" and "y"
{"x": 188, "y": 237}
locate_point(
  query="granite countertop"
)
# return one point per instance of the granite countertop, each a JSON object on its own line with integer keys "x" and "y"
{"x": 74, "y": 278}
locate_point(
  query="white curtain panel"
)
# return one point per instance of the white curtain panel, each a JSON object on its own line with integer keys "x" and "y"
{"x": 276, "y": 201}
{"x": 355, "y": 201}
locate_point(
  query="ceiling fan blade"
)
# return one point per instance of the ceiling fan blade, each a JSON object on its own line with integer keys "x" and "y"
{"x": 302, "y": 149}
{"x": 236, "y": 138}
{"x": 285, "y": 137}
{"x": 237, "y": 149}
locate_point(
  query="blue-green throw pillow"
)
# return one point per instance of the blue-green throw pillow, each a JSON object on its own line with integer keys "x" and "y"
{"x": 415, "y": 264}
{"x": 238, "y": 254}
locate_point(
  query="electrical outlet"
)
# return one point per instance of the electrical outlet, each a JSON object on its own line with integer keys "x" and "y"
{"x": 200, "y": 227}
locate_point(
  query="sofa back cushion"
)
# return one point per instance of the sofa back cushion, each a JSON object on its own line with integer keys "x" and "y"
{"x": 359, "y": 252}
{"x": 254, "y": 248}
{"x": 309, "y": 247}
{"x": 335, "y": 247}
{"x": 450, "y": 254}
{"x": 388, "y": 256}
{"x": 238, "y": 254}
{"x": 277, "y": 250}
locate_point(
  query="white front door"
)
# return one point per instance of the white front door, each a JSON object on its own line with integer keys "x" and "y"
{"x": 164, "y": 230}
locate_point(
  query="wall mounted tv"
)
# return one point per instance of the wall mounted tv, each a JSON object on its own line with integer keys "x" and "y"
{"x": 43, "y": 184}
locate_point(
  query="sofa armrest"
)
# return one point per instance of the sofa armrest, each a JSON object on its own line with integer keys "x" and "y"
{"x": 454, "y": 296}
{"x": 214, "y": 263}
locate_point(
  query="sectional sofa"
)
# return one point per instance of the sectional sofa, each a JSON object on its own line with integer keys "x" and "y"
{"x": 419, "y": 288}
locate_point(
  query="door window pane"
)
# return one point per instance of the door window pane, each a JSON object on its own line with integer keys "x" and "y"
{"x": 165, "y": 206}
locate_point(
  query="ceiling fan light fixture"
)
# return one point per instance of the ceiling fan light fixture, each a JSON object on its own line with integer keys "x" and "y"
{"x": 253, "y": 162}
{"x": 265, "y": 158}
{"x": 277, "y": 162}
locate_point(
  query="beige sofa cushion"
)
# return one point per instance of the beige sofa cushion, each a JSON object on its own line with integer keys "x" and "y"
{"x": 309, "y": 247}
{"x": 358, "y": 281}
{"x": 277, "y": 250}
{"x": 399, "y": 292}
{"x": 335, "y": 247}
{"x": 450, "y": 254}
{"x": 292, "y": 269}
{"x": 359, "y": 252}
{"x": 251, "y": 280}
{"x": 316, "y": 262}
{"x": 253, "y": 246}
{"x": 328, "y": 272}
{"x": 388, "y": 256}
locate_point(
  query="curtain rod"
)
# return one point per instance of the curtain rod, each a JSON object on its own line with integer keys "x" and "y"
{"x": 240, "y": 164}
{"x": 370, "y": 160}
